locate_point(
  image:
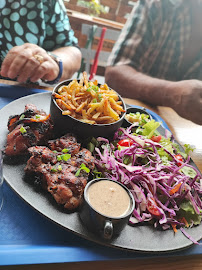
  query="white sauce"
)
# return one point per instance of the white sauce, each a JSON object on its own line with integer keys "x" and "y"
{"x": 109, "y": 198}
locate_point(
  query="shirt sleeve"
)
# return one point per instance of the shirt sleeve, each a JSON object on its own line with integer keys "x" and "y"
{"x": 58, "y": 29}
{"x": 138, "y": 35}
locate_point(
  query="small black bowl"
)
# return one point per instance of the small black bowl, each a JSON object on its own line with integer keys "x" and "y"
{"x": 134, "y": 109}
{"x": 105, "y": 226}
{"x": 67, "y": 124}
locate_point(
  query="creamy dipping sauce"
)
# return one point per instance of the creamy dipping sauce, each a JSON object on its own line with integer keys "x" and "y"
{"x": 109, "y": 198}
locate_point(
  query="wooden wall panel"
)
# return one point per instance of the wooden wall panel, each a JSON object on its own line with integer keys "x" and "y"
{"x": 117, "y": 10}
{"x": 115, "y": 20}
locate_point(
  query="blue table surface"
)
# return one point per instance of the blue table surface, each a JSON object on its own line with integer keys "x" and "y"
{"x": 27, "y": 237}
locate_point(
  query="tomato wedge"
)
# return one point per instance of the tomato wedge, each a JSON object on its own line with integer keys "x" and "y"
{"x": 179, "y": 157}
{"x": 152, "y": 207}
{"x": 156, "y": 138}
{"x": 126, "y": 142}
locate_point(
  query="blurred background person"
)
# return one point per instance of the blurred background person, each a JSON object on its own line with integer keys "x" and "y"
{"x": 158, "y": 56}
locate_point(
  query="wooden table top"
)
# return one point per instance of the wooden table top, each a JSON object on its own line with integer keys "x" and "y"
{"x": 184, "y": 131}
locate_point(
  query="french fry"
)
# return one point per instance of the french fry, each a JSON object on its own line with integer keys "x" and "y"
{"x": 90, "y": 110}
{"x": 85, "y": 76}
{"x": 95, "y": 82}
{"x": 66, "y": 96}
{"x": 71, "y": 105}
{"x": 119, "y": 102}
{"x": 56, "y": 95}
{"x": 81, "y": 94}
{"x": 106, "y": 118}
{"x": 73, "y": 114}
{"x": 67, "y": 106}
{"x": 96, "y": 105}
{"x": 100, "y": 105}
{"x": 80, "y": 107}
{"x": 106, "y": 106}
{"x": 62, "y": 104}
{"x": 113, "y": 114}
{"x": 112, "y": 95}
{"x": 88, "y": 121}
{"x": 73, "y": 97}
{"x": 109, "y": 111}
{"x": 89, "y": 102}
{"x": 96, "y": 115}
{"x": 62, "y": 89}
{"x": 115, "y": 106}
{"x": 67, "y": 112}
{"x": 84, "y": 114}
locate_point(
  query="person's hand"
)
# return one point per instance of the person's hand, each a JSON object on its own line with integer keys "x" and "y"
{"x": 189, "y": 104}
{"x": 29, "y": 61}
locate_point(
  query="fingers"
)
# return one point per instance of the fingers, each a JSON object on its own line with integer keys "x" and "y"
{"x": 191, "y": 103}
{"x": 35, "y": 70}
{"x": 14, "y": 62}
{"x": 28, "y": 69}
{"x": 29, "y": 61}
{"x": 48, "y": 70}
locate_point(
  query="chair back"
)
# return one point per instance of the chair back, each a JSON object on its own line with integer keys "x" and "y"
{"x": 93, "y": 33}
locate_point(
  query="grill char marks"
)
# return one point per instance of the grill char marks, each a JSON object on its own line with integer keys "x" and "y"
{"x": 32, "y": 127}
{"x": 58, "y": 176}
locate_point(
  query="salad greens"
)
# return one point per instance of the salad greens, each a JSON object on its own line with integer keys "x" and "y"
{"x": 140, "y": 118}
{"x": 166, "y": 187}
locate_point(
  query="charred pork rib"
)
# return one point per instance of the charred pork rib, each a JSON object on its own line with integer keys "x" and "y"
{"x": 63, "y": 169}
{"x": 32, "y": 127}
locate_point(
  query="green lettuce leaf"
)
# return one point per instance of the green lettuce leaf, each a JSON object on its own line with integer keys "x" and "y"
{"x": 188, "y": 171}
{"x": 149, "y": 128}
{"x": 187, "y": 211}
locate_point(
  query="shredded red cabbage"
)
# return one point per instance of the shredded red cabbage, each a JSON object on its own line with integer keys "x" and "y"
{"x": 158, "y": 188}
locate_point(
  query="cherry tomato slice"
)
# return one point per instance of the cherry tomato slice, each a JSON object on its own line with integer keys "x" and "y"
{"x": 179, "y": 157}
{"x": 152, "y": 207}
{"x": 156, "y": 138}
{"x": 126, "y": 142}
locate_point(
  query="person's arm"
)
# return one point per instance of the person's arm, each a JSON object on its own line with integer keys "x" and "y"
{"x": 185, "y": 97}
{"x": 32, "y": 62}
{"x": 136, "y": 85}
{"x": 21, "y": 63}
{"x": 71, "y": 59}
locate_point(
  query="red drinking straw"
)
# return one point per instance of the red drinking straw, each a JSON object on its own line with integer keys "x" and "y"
{"x": 95, "y": 63}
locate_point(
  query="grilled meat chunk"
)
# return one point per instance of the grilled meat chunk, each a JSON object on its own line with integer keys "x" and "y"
{"x": 83, "y": 156}
{"x": 58, "y": 171}
{"x": 32, "y": 127}
{"x": 67, "y": 141}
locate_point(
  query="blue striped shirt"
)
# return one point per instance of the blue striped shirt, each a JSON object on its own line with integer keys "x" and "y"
{"x": 153, "y": 40}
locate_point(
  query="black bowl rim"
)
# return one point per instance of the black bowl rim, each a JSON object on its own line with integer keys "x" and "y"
{"x": 77, "y": 120}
